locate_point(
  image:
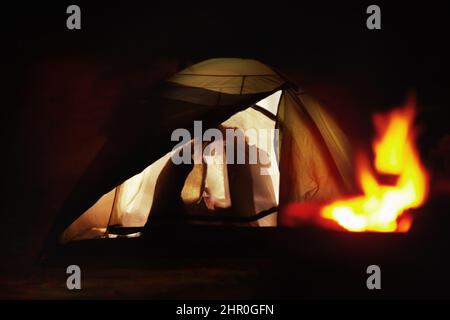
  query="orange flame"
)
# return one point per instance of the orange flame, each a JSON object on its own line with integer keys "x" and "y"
{"x": 382, "y": 207}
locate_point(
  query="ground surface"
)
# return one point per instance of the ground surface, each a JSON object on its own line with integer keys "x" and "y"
{"x": 199, "y": 262}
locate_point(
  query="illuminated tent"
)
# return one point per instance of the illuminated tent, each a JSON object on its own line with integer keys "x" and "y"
{"x": 132, "y": 182}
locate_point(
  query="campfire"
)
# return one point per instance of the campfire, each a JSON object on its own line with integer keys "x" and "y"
{"x": 392, "y": 184}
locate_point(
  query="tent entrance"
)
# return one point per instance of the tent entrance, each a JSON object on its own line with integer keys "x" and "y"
{"x": 125, "y": 210}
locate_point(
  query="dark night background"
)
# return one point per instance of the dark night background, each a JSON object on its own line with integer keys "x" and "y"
{"x": 65, "y": 87}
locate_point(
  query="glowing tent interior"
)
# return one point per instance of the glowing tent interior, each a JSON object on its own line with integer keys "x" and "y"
{"x": 133, "y": 182}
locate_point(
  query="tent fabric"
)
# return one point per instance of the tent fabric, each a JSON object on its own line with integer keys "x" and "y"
{"x": 308, "y": 166}
{"x": 333, "y": 136}
{"x": 139, "y": 183}
{"x": 230, "y": 76}
{"x": 227, "y": 66}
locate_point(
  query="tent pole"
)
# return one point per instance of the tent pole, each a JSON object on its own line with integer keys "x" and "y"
{"x": 105, "y": 235}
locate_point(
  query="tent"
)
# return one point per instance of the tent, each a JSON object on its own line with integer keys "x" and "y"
{"x": 132, "y": 181}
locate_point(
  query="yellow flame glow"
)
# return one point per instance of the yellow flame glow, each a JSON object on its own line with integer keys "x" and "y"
{"x": 382, "y": 207}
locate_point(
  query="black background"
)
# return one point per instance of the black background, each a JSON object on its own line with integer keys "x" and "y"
{"x": 123, "y": 47}
{"x": 323, "y": 45}
{"x": 318, "y": 42}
